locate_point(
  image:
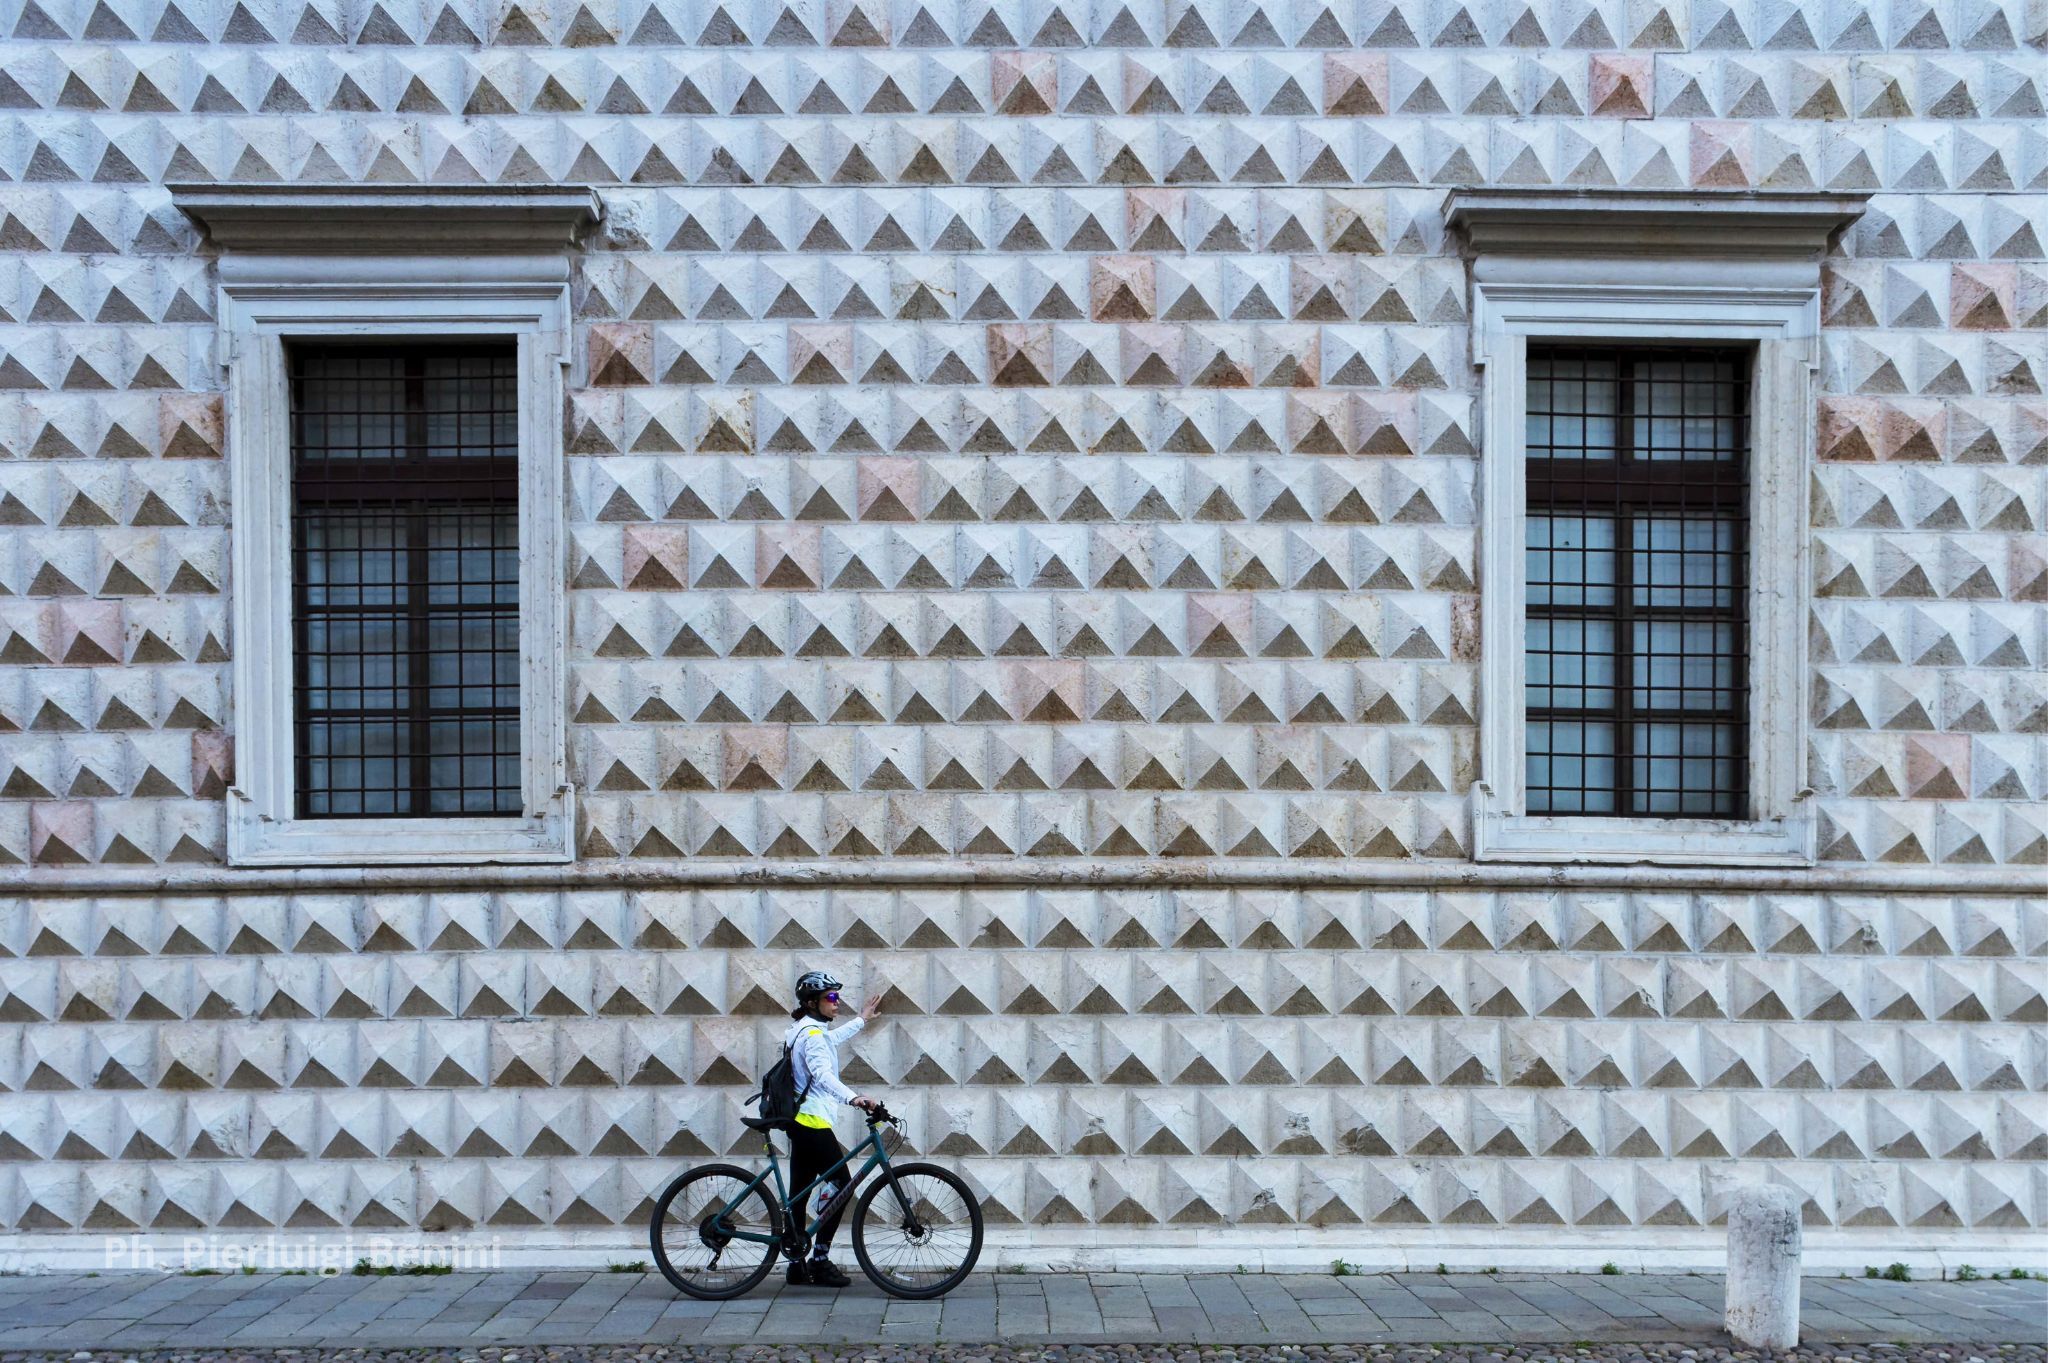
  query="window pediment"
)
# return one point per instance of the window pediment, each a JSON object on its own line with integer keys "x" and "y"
{"x": 390, "y": 220}
{"x": 1659, "y": 224}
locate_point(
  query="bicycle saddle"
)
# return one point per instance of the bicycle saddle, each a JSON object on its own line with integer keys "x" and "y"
{"x": 760, "y": 1124}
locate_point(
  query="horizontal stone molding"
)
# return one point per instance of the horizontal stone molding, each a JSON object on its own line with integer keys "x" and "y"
{"x": 1753, "y": 225}
{"x": 1251, "y": 874}
{"x": 390, "y": 219}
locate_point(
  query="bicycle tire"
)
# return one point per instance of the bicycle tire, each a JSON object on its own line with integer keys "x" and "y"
{"x": 968, "y": 1208}
{"x": 768, "y": 1210}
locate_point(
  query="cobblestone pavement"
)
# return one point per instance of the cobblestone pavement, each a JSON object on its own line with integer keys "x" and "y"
{"x": 140, "y": 1311}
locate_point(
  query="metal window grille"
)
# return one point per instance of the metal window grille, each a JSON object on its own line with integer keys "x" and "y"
{"x": 1637, "y": 687}
{"x": 405, "y": 579}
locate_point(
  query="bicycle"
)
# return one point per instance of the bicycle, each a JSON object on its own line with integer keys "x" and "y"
{"x": 920, "y": 1243}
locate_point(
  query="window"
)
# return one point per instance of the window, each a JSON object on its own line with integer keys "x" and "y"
{"x": 1636, "y": 552}
{"x": 395, "y": 392}
{"x": 405, "y": 579}
{"x": 1647, "y": 364}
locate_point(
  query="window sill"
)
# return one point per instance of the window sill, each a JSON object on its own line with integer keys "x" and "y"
{"x": 1501, "y": 836}
{"x": 257, "y": 840}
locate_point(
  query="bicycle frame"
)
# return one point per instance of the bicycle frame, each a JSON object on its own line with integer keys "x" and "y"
{"x": 793, "y": 1202}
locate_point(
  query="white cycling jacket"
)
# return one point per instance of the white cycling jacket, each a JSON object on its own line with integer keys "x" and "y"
{"x": 814, "y": 1054}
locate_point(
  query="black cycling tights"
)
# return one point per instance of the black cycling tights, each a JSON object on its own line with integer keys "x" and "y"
{"x": 813, "y": 1150}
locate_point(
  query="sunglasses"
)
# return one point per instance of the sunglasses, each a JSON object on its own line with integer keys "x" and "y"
{"x": 832, "y": 997}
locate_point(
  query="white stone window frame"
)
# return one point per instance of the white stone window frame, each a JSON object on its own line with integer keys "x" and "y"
{"x": 388, "y": 265}
{"x": 1667, "y": 269}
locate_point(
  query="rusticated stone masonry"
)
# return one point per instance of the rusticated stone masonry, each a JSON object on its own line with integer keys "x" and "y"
{"x": 1041, "y": 433}
{"x": 1031, "y": 430}
{"x": 1129, "y": 1061}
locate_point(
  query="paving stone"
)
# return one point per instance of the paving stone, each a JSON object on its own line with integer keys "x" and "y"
{"x": 582, "y": 1308}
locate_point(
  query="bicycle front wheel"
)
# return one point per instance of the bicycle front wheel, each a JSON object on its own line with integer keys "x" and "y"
{"x": 693, "y": 1232}
{"x": 917, "y": 1231}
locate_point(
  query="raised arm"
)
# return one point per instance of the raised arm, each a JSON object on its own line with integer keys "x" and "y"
{"x": 824, "y": 1065}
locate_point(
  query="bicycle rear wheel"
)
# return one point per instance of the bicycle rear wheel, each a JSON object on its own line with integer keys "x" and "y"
{"x": 928, "y": 1250}
{"x": 692, "y": 1232}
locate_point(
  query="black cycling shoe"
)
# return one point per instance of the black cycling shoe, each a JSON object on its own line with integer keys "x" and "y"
{"x": 824, "y": 1273}
{"x": 799, "y": 1273}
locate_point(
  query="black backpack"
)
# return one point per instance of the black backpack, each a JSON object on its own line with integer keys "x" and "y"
{"x": 778, "y": 1097}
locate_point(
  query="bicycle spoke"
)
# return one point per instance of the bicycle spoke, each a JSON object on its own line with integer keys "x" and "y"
{"x": 699, "y": 1229}
{"x": 928, "y": 1248}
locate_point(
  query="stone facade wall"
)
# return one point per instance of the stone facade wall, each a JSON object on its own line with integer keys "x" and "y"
{"x": 1040, "y": 434}
{"x": 1333, "y": 1073}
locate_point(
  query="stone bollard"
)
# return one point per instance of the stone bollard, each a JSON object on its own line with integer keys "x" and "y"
{"x": 1763, "y": 1268}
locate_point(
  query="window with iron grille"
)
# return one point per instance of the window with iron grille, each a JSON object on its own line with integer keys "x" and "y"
{"x": 1637, "y": 546}
{"x": 405, "y": 579}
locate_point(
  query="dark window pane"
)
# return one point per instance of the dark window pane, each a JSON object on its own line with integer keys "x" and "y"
{"x": 1636, "y": 636}
{"x": 473, "y": 557}
{"x": 1571, "y": 560}
{"x": 1686, "y": 561}
{"x": 354, "y": 662}
{"x": 356, "y": 768}
{"x": 1571, "y": 767}
{"x": 349, "y": 408}
{"x": 1571, "y": 664}
{"x": 472, "y": 408}
{"x": 351, "y": 556}
{"x": 471, "y": 760}
{"x": 1684, "y": 665}
{"x": 1686, "y": 770}
{"x": 1571, "y": 409}
{"x": 405, "y": 574}
{"x": 1686, "y": 406}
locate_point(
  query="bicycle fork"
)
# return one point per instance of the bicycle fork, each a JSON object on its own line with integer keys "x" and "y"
{"x": 911, "y": 1224}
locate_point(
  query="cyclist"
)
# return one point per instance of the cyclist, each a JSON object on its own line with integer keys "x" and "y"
{"x": 814, "y": 1055}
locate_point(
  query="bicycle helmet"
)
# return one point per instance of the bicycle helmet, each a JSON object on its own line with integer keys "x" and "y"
{"x": 812, "y": 983}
